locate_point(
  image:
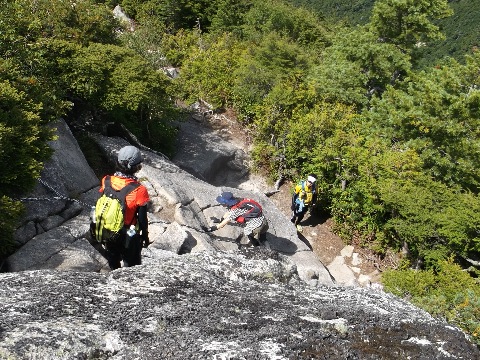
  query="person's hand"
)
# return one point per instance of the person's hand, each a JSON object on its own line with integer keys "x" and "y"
{"x": 209, "y": 229}
{"x": 215, "y": 220}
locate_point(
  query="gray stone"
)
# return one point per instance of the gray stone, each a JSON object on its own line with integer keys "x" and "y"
{"x": 341, "y": 272}
{"x": 72, "y": 210}
{"x": 52, "y": 222}
{"x": 205, "y": 155}
{"x": 25, "y": 232}
{"x": 67, "y": 163}
{"x": 37, "y": 251}
{"x": 172, "y": 239}
{"x": 78, "y": 256}
{"x": 212, "y": 306}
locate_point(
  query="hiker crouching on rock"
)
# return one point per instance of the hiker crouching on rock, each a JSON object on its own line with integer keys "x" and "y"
{"x": 129, "y": 162}
{"x": 243, "y": 211}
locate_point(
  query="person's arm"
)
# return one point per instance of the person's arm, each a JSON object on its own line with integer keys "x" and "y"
{"x": 225, "y": 221}
{"x": 143, "y": 224}
{"x": 294, "y": 200}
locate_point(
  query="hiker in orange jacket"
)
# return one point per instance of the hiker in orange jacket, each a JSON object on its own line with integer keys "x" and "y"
{"x": 129, "y": 162}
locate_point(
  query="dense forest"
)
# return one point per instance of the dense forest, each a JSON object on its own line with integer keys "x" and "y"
{"x": 461, "y": 30}
{"x": 369, "y": 97}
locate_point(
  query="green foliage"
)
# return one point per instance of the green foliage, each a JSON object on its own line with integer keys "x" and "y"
{"x": 446, "y": 292}
{"x": 265, "y": 67}
{"x": 81, "y": 22}
{"x": 207, "y": 69}
{"x": 12, "y": 210}
{"x": 406, "y": 23}
{"x": 174, "y": 14}
{"x": 23, "y": 139}
{"x": 119, "y": 84}
{"x": 178, "y": 46}
{"x": 462, "y": 31}
{"x": 436, "y": 113}
{"x": 296, "y": 24}
{"x": 229, "y": 16}
{"x": 414, "y": 180}
{"x": 147, "y": 41}
{"x": 432, "y": 219}
{"x": 355, "y": 12}
{"x": 357, "y": 66}
{"x": 28, "y": 102}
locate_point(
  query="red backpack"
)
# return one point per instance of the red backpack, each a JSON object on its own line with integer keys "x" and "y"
{"x": 253, "y": 207}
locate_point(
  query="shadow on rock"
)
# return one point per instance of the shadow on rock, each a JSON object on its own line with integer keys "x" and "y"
{"x": 281, "y": 244}
{"x": 305, "y": 241}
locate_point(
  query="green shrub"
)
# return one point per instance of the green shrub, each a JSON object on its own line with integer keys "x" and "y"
{"x": 12, "y": 211}
{"x": 446, "y": 291}
{"x": 207, "y": 70}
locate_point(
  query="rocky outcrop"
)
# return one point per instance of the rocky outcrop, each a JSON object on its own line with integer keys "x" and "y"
{"x": 181, "y": 205}
{"x": 211, "y": 305}
{"x": 197, "y": 295}
{"x": 54, "y": 228}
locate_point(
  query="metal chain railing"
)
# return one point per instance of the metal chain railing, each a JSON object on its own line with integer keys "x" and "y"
{"x": 58, "y": 196}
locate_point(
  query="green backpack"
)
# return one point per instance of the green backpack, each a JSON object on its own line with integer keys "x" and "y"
{"x": 109, "y": 212}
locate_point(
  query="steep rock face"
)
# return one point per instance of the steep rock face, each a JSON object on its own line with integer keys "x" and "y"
{"x": 211, "y": 306}
{"x": 181, "y": 205}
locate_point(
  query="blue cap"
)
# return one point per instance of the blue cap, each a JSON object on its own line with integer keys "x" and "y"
{"x": 227, "y": 199}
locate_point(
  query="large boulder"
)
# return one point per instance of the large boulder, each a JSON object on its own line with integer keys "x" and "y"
{"x": 53, "y": 233}
{"x": 212, "y": 306}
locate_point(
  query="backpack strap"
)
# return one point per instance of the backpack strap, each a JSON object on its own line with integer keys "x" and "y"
{"x": 303, "y": 182}
{"x": 121, "y": 194}
{"x": 254, "y": 209}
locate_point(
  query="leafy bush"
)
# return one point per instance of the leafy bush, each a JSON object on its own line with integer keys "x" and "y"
{"x": 263, "y": 70}
{"x": 293, "y": 23}
{"x": 174, "y": 14}
{"x": 446, "y": 291}
{"x": 80, "y": 22}
{"x": 12, "y": 210}
{"x": 117, "y": 84}
{"x": 207, "y": 70}
{"x": 357, "y": 66}
{"x": 431, "y": 218}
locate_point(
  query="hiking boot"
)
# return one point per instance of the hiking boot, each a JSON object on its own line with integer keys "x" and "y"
{"x": 299, "y": 228}
{"x": 252, "y": 241}
{"x": 293, "y": 219}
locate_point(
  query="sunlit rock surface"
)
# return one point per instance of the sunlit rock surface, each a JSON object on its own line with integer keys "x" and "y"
{"x": 211, "y": 306}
